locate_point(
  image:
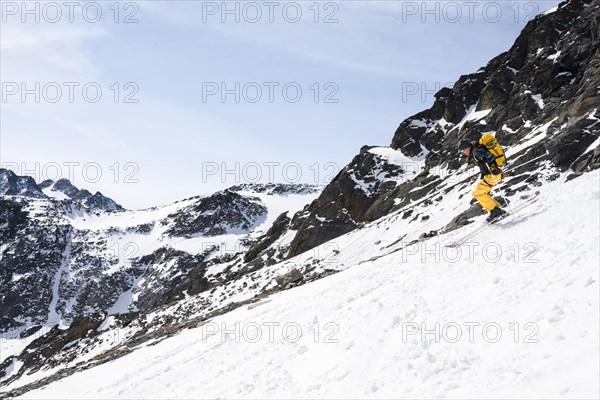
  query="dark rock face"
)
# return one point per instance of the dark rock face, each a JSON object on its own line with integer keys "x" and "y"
{"x": 65, "y": 186}
{"x": 542, "y": 94}
{"x": 418, "y": 188}
{"x": 94, "y": 276}
{"x": 52, "y": 272}
{"x": 12, "y": 219}
{"x": 586, "y": 163}
{"x": 195, "y": 282}
{"x": 218, "y": 214}
{"x": 167, "y": 284}
{"x": 344, "y": 202}
{"x": 13, "y": 185}
{"x": 279, "y": 226}
{"x": 33, "y": 255}
{"x": 450, "y": 104}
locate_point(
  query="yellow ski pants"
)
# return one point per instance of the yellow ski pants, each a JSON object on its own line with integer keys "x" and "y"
{"x": 482, "y": 191}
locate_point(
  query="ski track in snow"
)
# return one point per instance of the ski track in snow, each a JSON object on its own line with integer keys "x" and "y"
{"x": 536, "y": 285}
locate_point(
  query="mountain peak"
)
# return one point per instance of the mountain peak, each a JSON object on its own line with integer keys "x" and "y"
{"x": 63, "y": 189}
{"x": 65, "y": 186}
{"x": 13, "y": 185}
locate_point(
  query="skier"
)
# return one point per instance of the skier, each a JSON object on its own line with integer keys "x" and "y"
{"x": 489, "y": 164}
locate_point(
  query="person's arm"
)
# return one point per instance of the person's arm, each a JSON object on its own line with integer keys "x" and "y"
{"x": 485, "y": 156}
{"x": 485, "y": 160}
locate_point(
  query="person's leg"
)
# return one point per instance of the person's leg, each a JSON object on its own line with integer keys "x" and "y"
{"x": 481, "y": 193}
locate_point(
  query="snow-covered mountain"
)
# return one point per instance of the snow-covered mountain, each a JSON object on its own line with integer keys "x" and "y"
{"x": 364, "y": 258}
{"x": 62, "y": 258}
{"x": 63, "y": 189}
{"x": 542, "y": 95}
{"x": 513, "y": 315}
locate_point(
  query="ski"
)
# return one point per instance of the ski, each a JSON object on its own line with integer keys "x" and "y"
{"x": 486, "y": 224}
{"x": 512, "y": 212}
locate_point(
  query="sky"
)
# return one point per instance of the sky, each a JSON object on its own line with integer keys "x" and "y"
{"x": 150, "y": 102}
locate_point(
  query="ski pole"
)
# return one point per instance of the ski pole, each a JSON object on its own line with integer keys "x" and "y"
{"x": 511, "y": 168}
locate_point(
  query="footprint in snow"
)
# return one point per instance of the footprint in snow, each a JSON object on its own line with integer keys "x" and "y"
{"x": 342, "y": 375}
{"x": 589, "y": 282}
{"x": 374, "y": 387}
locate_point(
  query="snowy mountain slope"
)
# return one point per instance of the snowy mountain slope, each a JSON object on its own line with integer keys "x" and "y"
{"x": 61, "y": 260}
{"x": 361, "y": 329}
{"x": 387, "y": 204}
{"x": 395, "y": 233}
{"x": 541, "y": 97}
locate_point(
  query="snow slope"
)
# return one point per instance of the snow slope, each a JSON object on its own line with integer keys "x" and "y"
{"x": 146, "y": 243}
{"x": 511, "y": 315}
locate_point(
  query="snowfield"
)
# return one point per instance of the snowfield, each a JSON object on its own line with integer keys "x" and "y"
{"x": 512, "y": 314}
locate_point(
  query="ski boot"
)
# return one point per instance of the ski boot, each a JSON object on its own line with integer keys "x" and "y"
{"x": 495, "y": 214}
